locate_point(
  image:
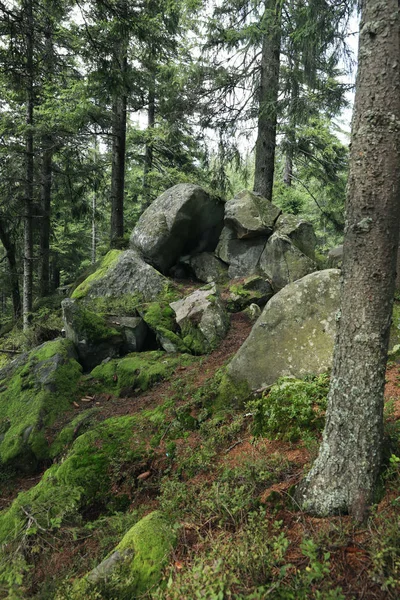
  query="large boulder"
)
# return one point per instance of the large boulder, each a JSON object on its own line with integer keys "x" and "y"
{"x": 250, "y": 215}
{"x": 300, "y": 232}
{"x": 294, "y": 335}
{"x": 282, "y": 262}
{"x": 183, "y": 220}
{"x": 121, "y": 274}
{"x": 202, "y": 319}
{"x": 34, "y": 390}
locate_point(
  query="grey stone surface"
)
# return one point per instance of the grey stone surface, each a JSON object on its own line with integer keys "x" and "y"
{"x": 299, "y": 231}
{"x": 93, "y": 338}
{"x": 184, "y": 220}
{"x": 208, "y": 268}
{"x": 134, "y": 331}
{"x": 335, "y": 257}
{"x": 130, "y": 274}
{"x": 294, "y": 336}
{"x": 202, "y": 319}
{"x": 282, "y": 262}
{"x": 250, "y": 215}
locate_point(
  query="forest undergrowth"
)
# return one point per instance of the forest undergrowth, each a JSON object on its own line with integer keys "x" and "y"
{"x": 224, "y": 479}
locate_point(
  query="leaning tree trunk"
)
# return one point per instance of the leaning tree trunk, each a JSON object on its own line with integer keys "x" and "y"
{"x": 29, "y": 158}
{"x": 268, "y": 100}
{"x": 344, "y": 476}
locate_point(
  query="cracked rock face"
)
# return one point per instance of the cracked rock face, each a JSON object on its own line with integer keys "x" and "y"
{"x": 282, "y": 262}
{"x": 294, "y": 335}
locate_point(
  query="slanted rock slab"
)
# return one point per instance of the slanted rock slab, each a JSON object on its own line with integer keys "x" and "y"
{"x": 202, "y": 319}
{"x": 294, "y": 336}
{"x": 242, "y": 256}
{"x": 282, "y": 262}
{"x": 299, "y": 231}
{"x": 184, "y": 220}
{"x": 250, "y": 215}
{"x": 119, "y": 274}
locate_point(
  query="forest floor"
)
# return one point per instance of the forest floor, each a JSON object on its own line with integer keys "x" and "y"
{"x": 200, "y": 478}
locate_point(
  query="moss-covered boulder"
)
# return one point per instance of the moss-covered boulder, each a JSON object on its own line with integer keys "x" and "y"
{"x": 34, "y": 390}
{"x": 250, "y": 215}
{"x": 93, "y": 338}
{"x": 135, "y": 565}
{"x": 137, "y": 371}
{"x": 84, "y": 481}
{"x": 202, "y": 319}
{"x": 121, "y": 274}
{"x": 282, "y": 262}
{"x": 184, "y": 220}
{"x": 294, "y": 335}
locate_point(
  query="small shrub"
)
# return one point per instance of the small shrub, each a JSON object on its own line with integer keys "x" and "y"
{"x": 291, "y": 408}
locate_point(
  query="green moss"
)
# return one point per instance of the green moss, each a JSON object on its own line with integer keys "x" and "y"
{"x": 137, "y": 370}
{"x": 159, "y": 316}
{"x": 27, "y": 401}
{"x": 134, "y": 566}
{"x": 108, "y": 261}
{"x": 395, "y": 327}
{"x": 126, "y": 304}
{"x": 231, "y": 394}
{"x": 92, "y": 327}
{"x": 76, "y": 427}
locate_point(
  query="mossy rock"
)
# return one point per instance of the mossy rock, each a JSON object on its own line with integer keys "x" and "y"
{"x": 249, "y": 290}
{"x": 159, "y": 317}
{"x": 122, "y": 273}
{"x": 138, "y": 371}
{"x": 134, "y": 566}
{"x": 82, "y": 480}
{"x": 34, "y": 390}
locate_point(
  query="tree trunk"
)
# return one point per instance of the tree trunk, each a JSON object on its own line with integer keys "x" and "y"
{"x": 119, "y": 140}
{"x": 9, "y": 247}
{"x": 344, "y": 476}
{"x": 148, "y": 156}
{"x": 118, "y": 170}
{"x": 269, "y": 87}
{"x": 29, "y": 157}
{"x": 45, "y": 197}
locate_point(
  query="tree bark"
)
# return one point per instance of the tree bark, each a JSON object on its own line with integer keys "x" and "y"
{"x": 29, "y": 158}
{"x": 45, "y": 226}
{"x": 148, "y": 156}
{"x": 119, "y": 110}
{"x": 344, "y": 476}
{"x": 268, "y": 100}
{"x": 9, "y": 247}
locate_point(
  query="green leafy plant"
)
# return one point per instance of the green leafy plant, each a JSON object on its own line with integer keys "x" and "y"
{"x": 291, "y": 408}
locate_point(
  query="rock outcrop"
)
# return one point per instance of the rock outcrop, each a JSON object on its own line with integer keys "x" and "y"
{"x": 259, "y": 239}
{"x": 294, "y": 335}
{"x": 184, "y": 220}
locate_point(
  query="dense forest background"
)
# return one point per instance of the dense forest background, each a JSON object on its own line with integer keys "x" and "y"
{"x": 106, "y": 104}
